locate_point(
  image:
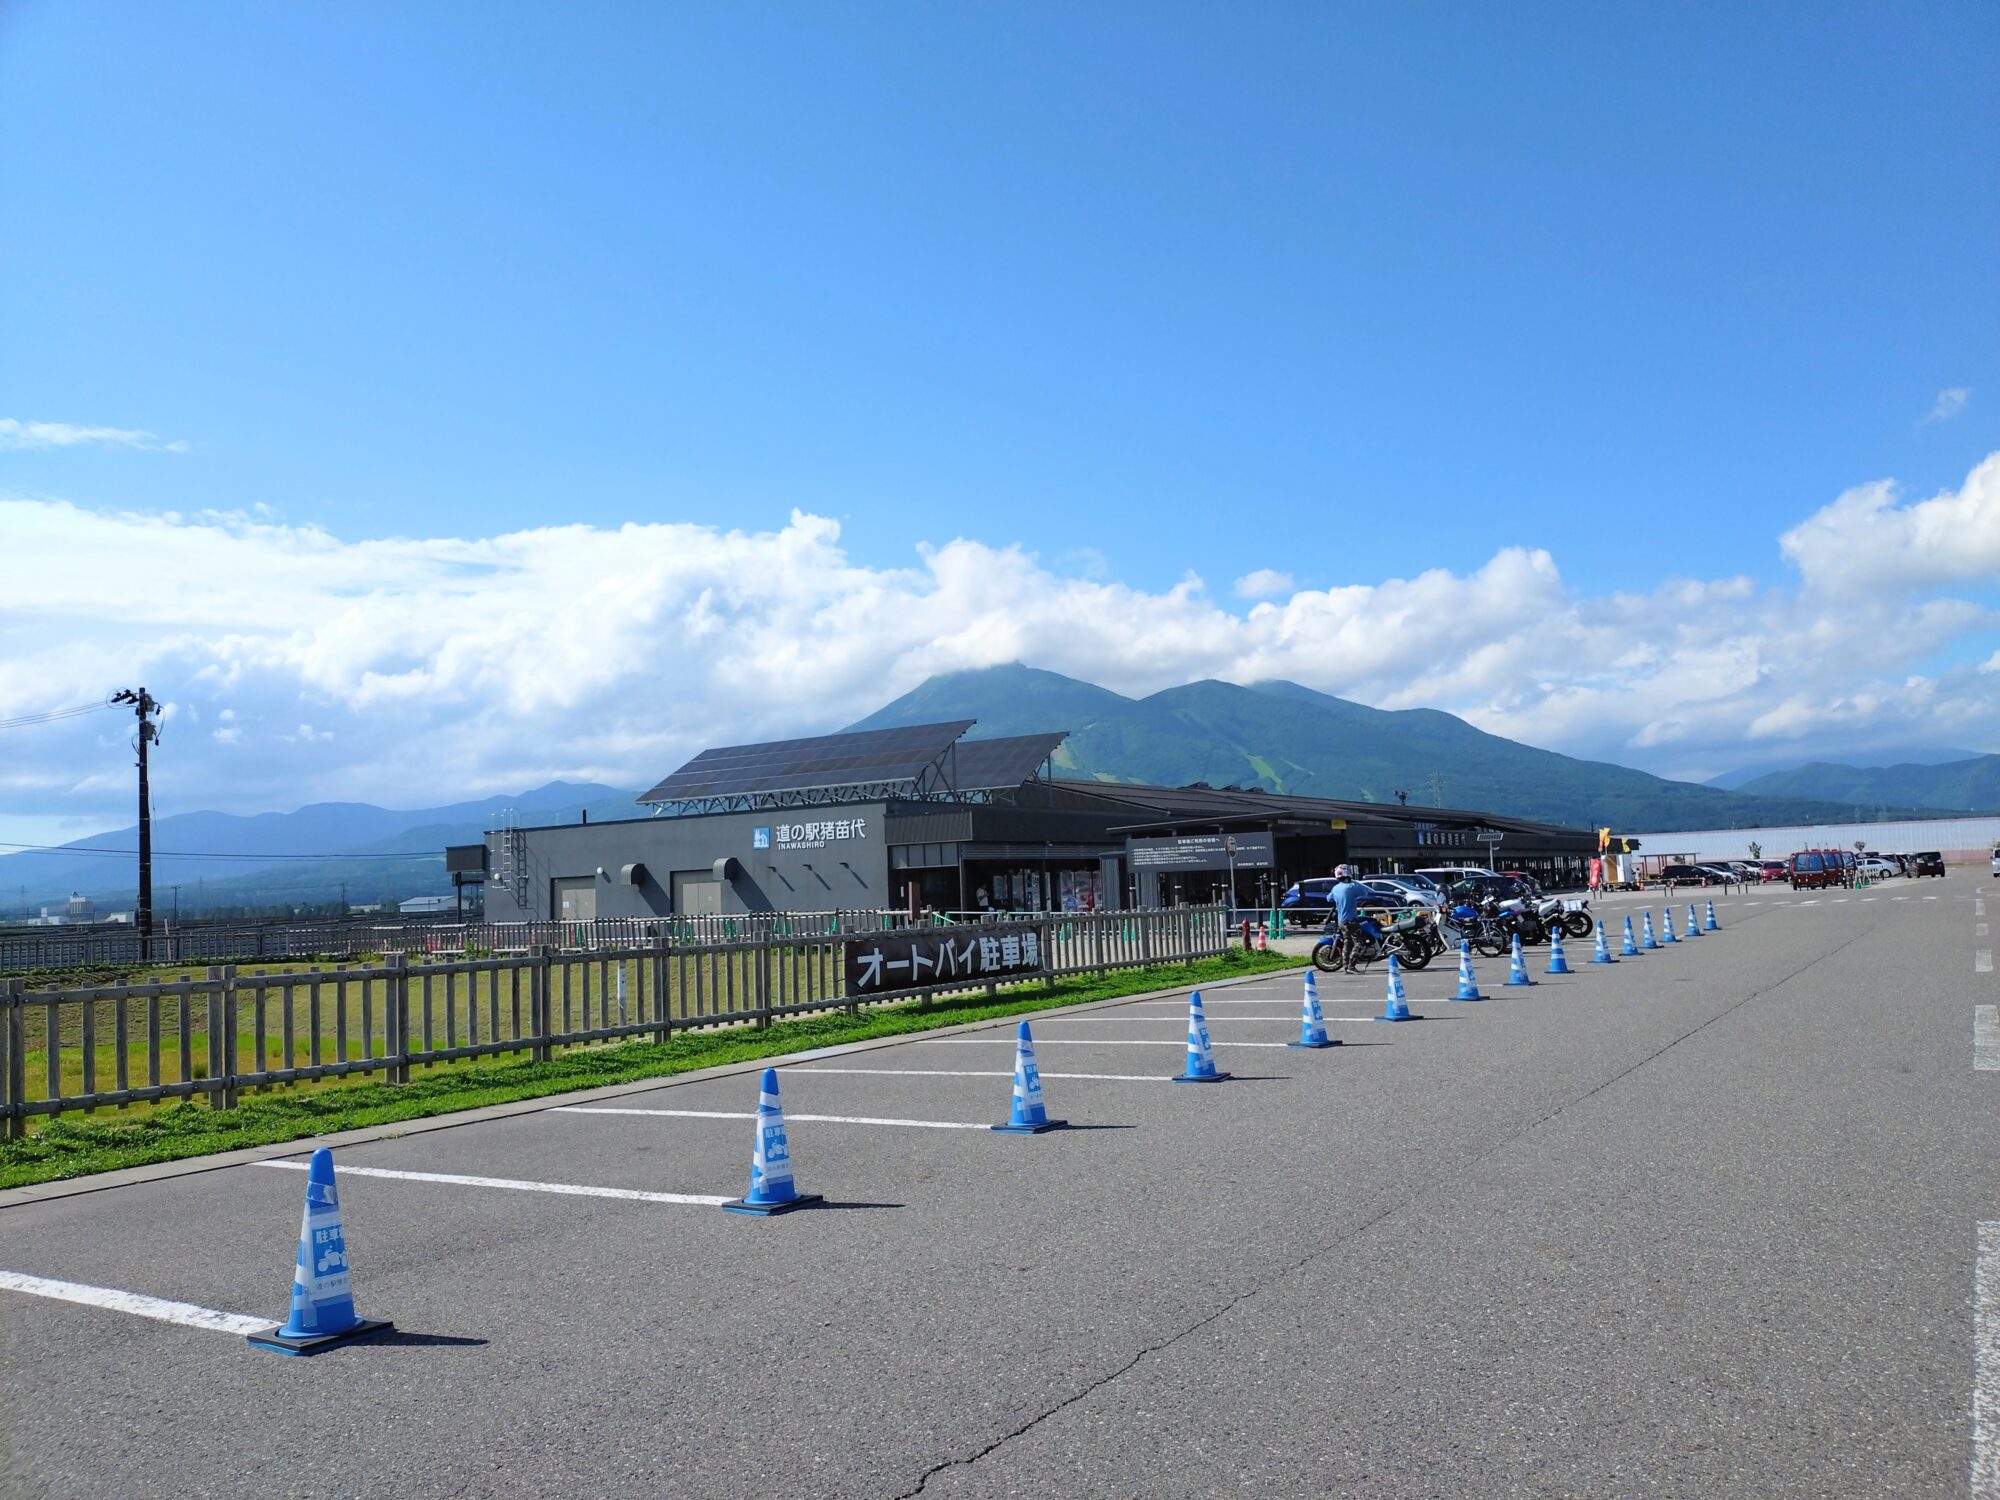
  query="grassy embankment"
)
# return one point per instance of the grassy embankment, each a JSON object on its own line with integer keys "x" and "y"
{"x": 75, "y": 1146}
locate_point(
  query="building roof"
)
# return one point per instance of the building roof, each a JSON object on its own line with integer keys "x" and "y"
{"x": 915, "y": 762}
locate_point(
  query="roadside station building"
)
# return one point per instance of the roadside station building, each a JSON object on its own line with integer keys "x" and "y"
{"x": 920, "y": 816}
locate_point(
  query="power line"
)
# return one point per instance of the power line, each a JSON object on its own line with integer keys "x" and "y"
{"x": 55, "y": 715}
{"x": 177, "y": 854}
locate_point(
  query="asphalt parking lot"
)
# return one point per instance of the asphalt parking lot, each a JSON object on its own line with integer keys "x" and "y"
{"x": 1703, "y": 1223}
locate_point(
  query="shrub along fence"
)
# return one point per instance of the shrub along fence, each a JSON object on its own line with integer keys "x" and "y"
{"x": 220, "y": 1033}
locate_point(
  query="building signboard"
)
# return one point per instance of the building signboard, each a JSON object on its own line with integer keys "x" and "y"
{"x": 816, "y": 834}
{"x": 1202, "y": 851}
{"x": 885, "y": 963}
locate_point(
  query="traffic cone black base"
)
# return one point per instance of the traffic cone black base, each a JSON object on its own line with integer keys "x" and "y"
{"x": 313, "y": 1343}
{"x": 771, "y": 1210}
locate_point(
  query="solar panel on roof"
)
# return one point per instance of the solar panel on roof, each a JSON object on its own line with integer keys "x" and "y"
{"x": 827, "y": 760}
{"x": 992, "y": 765}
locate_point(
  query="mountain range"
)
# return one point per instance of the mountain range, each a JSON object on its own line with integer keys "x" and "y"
{"x": 1289, "y": 738}
{"x": 226, "y": 861}
{"x": 1276, "y": 735}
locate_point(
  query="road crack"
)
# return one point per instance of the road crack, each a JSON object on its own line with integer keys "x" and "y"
{"x": 1342, "y": 1241}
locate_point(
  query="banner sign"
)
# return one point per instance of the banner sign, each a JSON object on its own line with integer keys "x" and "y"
{"x": 883, "y": 963}
{"x": 1202, "y": 851}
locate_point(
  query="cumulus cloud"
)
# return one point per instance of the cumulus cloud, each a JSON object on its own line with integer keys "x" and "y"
{"x": 16, "y": 434}
{"x": 414, "y": 670}
{"x": 1869, "y": 539}
{"x": 1263, "y": 583}
{"x": 1949, "y": 404}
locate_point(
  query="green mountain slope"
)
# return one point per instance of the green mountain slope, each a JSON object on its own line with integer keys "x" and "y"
{"x": 1291, "y": 739}
{"x": 1965, "y": 785}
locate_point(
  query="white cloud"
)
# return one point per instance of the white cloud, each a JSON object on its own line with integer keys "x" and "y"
{"x": 1949, "y": 404}
{"x": 1866, "y": 539}
{"x": 1263, "y": 584}
{"x": 16, "y": 434}
{"x": 414, "y": 670}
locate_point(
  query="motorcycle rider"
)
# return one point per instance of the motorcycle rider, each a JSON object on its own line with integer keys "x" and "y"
{"x": 1347, "y": 896}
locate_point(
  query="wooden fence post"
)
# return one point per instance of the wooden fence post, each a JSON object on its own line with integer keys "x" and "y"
{"x": 543, "y": 997}
{"x": 396, "y": 1017}
{"x": 13, "y": 1061}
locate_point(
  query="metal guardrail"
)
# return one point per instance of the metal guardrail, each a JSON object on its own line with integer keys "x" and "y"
{"x": 221, "y": 1033}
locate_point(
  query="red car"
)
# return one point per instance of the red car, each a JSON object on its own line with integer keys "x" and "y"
{"x": 1814, "y": 869}
{"x": 1773, "y": 869}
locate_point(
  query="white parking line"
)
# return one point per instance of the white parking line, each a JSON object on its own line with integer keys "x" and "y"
{"x": 1982, "y": 961}
{"x": 1080, "y": 1041}
{"x": 1986, "y": 1365}
{"x": 184, "y": 1313}
{"x": 980, "y": 1073}
{"x": 1979, "y": 906}
{"x": 1986, "y": 1038}
{"x": 1979, "y": 929}
{"x": 751, "y": 1114}
{"x": 567, "y": 1189}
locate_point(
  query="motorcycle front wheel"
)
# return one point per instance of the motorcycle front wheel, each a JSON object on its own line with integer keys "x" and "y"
{"x": 1578, "y": 924}
{"x": 1326, "y": 956}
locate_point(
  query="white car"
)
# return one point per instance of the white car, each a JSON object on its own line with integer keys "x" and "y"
{"x": 1996, "y": 861}
{"x": 1420, "y": 891}
{"x": 1875, "y": 867}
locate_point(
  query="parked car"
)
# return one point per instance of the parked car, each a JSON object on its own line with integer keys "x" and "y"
{"x": 1414, "y": 890}
{"x": 1811, "y": 872}
{"x": 1930, "y": 862}
{"x": 1996, "y": 862}
{"x": 1308, "y": 901}
{"x": 1692, "y": 875}
{"x": 1774, "y": 869}
{"x": 1877, "y": 867}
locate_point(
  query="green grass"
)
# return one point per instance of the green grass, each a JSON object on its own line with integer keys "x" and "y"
{"x": 75, "y": 1146}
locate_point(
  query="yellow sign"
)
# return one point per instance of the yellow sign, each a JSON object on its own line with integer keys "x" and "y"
{"x": 1338, "y": 825}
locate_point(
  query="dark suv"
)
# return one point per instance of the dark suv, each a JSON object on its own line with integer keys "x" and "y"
{"x": 1927, "y": 862}
{"x": 1689, "y": 875}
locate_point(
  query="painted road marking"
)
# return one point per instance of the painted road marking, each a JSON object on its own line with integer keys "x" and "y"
{"x": 567, "y": 1189}
{"x": 1979, "y": 929}
{"x": 1986, "y": 1365}
{"x": 184, "y": 1313}
{"x": 751, "y": 1114}
{"x": 1079, "y": 1041}
{"x": 980, "y": 1073}
{"x": 1986, "y": 1038}
{"x": 1979, "y": 906}
{"x": 1982, "y": 961}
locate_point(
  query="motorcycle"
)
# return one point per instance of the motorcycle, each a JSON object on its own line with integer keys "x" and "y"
{"x": 1411, "y": 935}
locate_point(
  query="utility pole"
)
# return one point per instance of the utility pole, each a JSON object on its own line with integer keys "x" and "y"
{"x": 1437, "y": 789}
{"x": 144, "y": 706}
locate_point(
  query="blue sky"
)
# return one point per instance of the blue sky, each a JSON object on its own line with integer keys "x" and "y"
{"x": 1343, "y": 294}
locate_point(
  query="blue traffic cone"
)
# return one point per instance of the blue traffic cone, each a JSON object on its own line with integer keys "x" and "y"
{"x": 771, "y": 1188}
{"x": 1312, "y": 1025}
{"x": 1711, "y": 924}
{"x": 1517, "y": 968}
{"x": 1694, "y": 927}
{"x": 1558, "y": 962}
{"x": 1603, "y": 953}
{"x": 1468, "y": 987}
{"x": 1651, "y": 941}
{"x": 322, "y": 1295}
{"x": 1030, "y": 1117}
{"x": 1200, "y": 1056}
{"x": 1395, "y": 1007}
{"x": 1631, "y": 949}
{"x": 1667, "y": 926}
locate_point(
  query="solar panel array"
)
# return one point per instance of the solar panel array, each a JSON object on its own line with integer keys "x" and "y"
{"x": 871, "y": 756}
{"x": 994, "y": 765}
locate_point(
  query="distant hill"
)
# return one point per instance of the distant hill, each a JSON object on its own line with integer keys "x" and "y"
{"x": 1966, "y": 786}
{"x": 264, "y": 868}
{"x": 1292, "y": 739}
{"x": 1872, "y": 759}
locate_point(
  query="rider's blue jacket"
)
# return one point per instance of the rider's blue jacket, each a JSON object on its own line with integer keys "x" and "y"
{"x": 1348, "y": 897}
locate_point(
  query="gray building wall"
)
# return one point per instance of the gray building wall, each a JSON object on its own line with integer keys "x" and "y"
{"x": 797, "y": 864}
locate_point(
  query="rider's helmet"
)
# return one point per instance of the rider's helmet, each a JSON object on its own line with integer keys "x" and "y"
{"x": 1343, "y": 872}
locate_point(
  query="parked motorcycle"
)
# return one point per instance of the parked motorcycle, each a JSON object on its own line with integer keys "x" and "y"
{"x": 1411, "y": 935}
